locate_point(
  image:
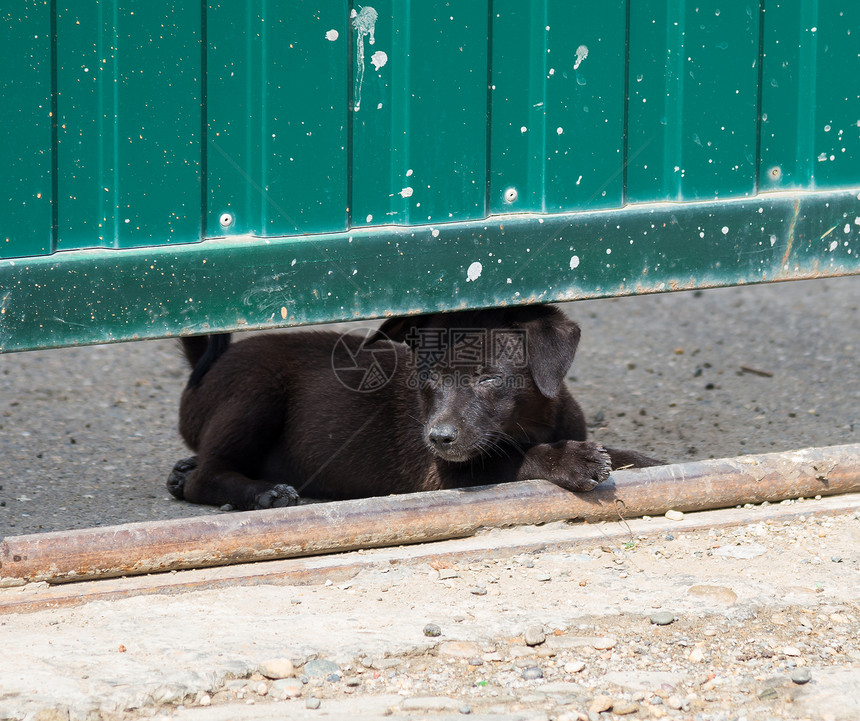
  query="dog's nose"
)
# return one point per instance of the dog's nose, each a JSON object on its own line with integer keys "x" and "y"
{"x": 443, "y": 436}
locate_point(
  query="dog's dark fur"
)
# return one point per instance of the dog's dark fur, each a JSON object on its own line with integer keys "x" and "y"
{"x": 270, "y": 415}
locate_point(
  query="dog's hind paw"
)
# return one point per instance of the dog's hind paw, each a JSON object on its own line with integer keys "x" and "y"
{"x": 278, "y": 496}
{"x": 178, "y": 476}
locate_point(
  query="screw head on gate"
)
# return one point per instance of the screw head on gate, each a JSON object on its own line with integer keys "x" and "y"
{"x": 226, "y": 220}
{"x": 510, "y": 195}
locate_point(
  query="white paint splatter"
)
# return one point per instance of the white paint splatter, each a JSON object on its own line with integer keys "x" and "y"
{"x": 435, "y": 232}
{"x": 559, "y": 131}
{"x": 406, "y": 193}
{"x": 294, "y": 262}
{"x": 725, "y": 230}
{"x": 833, "y": 245}
{"x": 474, "y": 271}
{"x": 364, "y": 23}
{"x": 581, "y": 54}
{"x": 574, "y": 262}
{"x": 369, "y": 218}
{"x": 409, "y": 173}
{"x": 847, "y": 228}
{"x": 772, "y": 241}
{"x": 379, "y": 58}
{"x": 332, "y": 35}
{"x": 524, "y": 129}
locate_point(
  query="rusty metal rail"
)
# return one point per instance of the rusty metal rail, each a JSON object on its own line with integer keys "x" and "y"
{"x": 140, "y": 548}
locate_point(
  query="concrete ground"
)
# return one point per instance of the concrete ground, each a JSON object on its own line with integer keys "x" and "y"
{"x": 88, "y": 435}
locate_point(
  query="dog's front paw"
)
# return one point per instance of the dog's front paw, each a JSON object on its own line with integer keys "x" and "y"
{"x": 575, "y": 465}
{"x": 178, "y": 476}
{"x": 277, "y": 497}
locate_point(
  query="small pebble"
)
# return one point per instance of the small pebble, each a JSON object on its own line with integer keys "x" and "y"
{"x": 662, "y": 618}
{"x": 276, "y": 668}
{"x": 312, "y": 703}
{"x": 673, "y": 702}
{"x": 574, "y": 666}
{"x": 791, "y": 651}
{"x": 531, "y": 673}
{"x": 321, "y": 668}
{"x": 432, "y": 629}
{"x": 801, "y": 676}
{"x": 623, "y": 708}
{"x": 478, "y": 591}
{"x": 601, "y": 703}
{"x": 836, "y": 559}
{"x": 534, "y": 636}
{"x": 673, "y": 515}
{"x": 465, "y": 710}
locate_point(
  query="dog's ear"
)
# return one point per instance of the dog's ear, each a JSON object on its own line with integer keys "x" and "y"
{"x": 400, "y": 329}
{"x": 551, "y": 343}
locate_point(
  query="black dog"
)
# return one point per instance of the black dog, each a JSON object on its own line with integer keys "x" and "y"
{"x": 426, "y": 402}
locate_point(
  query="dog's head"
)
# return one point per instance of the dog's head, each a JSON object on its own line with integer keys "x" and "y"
{"x": 488, "y": 378}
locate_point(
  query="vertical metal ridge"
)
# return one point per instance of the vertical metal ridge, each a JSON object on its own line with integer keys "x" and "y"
{"x": 55, "y": 133}
{"x": 488, "y": 169}
{"x": 350, "y": 140}
{"x": 807, "y": 82}
{"x": 264, "y": 143}
{"x": 625, "y": 120}
{"x": 117, "y": 176}
{"x": 204, "y": 118}
{"x": 759, "y": 101}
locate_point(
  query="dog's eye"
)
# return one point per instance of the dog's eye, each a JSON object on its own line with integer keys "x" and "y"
{"x": 489, "y": 380}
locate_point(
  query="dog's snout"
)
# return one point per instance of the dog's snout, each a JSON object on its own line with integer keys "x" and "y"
{"x": 443, "y": 436}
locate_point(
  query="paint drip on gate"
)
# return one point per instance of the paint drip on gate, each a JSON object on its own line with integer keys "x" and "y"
{"x": 364, "y": 23}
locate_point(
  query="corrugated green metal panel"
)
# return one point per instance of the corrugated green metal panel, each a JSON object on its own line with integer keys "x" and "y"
{"x": 277, "y": 117}
{"x": 420, "y": 128}
{"x": 128, "y": 101}
{"x": 557, "y": 105}
{"x": 518, "y": 107}
{"x": 585, "y": 104}
{"x": 693, "y": 99}
{"x": 25, "y": 129}
{"x": 810, "y": 103}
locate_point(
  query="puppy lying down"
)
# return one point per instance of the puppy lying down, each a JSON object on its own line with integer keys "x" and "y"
{"x": 427, "y": 402}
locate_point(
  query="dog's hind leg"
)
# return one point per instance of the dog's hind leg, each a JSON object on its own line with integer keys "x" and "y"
{"x": 216, "y": 484}
{"x": 178, "y": 476}
{"x": 231, "y": 456}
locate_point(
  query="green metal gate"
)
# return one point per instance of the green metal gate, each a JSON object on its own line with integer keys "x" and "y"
{"x": 341, "y": 162}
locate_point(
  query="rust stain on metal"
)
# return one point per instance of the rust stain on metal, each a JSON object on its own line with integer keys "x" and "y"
{"x": 142, "y": 548}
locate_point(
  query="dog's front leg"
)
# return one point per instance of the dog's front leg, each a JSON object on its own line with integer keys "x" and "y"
{"x": 575, "y": 465}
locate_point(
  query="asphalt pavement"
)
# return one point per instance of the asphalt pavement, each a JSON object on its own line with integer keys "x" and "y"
{"x": 88, "y": 435}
